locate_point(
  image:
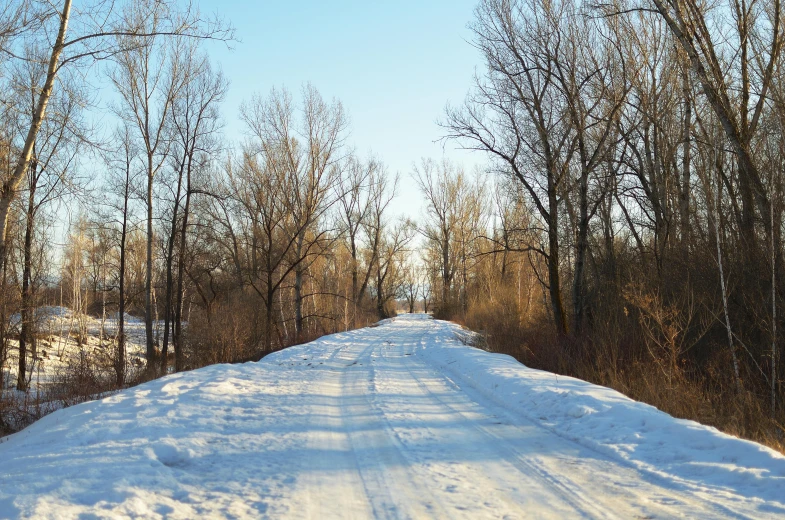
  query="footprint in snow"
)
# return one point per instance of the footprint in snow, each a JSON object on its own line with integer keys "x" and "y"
{"x": 170, "y": 455}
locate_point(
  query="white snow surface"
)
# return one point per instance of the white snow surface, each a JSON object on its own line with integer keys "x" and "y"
{"x": 57, "y": 346}
{"x": 396, "y": 421}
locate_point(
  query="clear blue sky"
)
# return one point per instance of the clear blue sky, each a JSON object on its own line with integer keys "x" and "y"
{"x": 394, "y": 66}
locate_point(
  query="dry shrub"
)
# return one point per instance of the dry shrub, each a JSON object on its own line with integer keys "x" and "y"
{"x": 640, "y": 346}
{"x": 19, "y": 409}
{"x": 709, "y": 401}
{"x": 225, "y": 333}
{"x": 670, "y": 330}
{"x": 530, "y": 341}
{"x": 233, "y": 330}
{"x": 499, "y": 322}
{"x": 366, "y": 316}
{"x": 446, "y": 310}
{"x": 86, "y": 376}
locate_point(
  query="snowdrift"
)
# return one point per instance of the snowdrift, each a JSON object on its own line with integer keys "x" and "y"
{"x": 257, "y": 439}
{"x": 697, "y": 457}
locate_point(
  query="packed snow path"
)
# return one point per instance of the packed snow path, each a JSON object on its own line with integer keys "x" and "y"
{"x": 395, "y": 421}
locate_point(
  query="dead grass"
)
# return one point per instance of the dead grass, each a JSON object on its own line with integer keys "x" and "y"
{"x": 618, "y": 358}
{"x": 86, "y": 376}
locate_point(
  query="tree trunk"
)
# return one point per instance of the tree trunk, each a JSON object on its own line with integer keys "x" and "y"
{"x": 773, "y": 259}
{"x": 582, "y": 247}
{"x": 178, "y": 310}
{"x": 148, "y": 282}
{"x": 355, "y": 281}
{"x": 723, "y": 288}
{"x": 25, "y": 335}
{"x": 120, "y": 361}
{"x": 380, "y": 297}
{"x": 684, "y": 196}
{"x": 446, "y": 271}
{"x": 3, "y": 321}
{"x": 298, "y": 290}
{"x": 554, "y": 283}
{"x": 268, "y": 333}
{"x": 169, "y": 275}
{"x": 9, "y": 187}
{"x": 464, "y": 281}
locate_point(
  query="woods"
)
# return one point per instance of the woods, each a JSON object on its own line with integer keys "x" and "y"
{"x": 624, "y": 225}
{"x": 641, "y": 146}
{"x": 177, "y": 248}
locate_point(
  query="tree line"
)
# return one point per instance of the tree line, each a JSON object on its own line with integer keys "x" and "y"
{"x": 629, "y": 232}
{"x": 638, "y": 200}
{"x": 255, "y": 245}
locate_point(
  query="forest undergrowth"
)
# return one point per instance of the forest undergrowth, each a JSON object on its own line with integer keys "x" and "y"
{"x": 621, "y": 356}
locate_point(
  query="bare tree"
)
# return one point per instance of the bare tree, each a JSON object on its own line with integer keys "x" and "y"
{"x": 196, "y": 120}
{"x": 518, "y": 116}
{"x": 148, "y": 78}
{"x": 439, "y": 183}
{"x": 382, "y": 190}
{"x": 314, "y": 173}
{"x": 53, "y": 159}
{"x": 356, "y": 191}
{"x": 410, "y": 288}
{"x": 300, "y": 158}
{"x": 103, "y": 32}
{"x": 389, "y": 266}
{"x": 736, "y": 74}
{"x": 122, "y": 162}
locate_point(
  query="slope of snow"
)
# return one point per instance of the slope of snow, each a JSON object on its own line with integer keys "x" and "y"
{"x": 695, "y": 457}
{"x": 57, "y": 328}
{"x": 395, "y": 421}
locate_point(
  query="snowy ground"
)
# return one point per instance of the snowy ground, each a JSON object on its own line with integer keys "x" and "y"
{"x": 396, "y": 421}
{"x": 58, "y": 328}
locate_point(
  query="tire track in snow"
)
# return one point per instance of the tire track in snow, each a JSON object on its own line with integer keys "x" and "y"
{"x": 434, "y": 469}
{"x": 562, "y": 486}
{"x": 459, "y": 476}
{"x": 663, "y": 502}
{"x": 389, "y": 478}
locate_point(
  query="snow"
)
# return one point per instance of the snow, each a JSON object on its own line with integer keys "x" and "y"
{"x": 57, "y": 328}
{"x": 396, "y": 421}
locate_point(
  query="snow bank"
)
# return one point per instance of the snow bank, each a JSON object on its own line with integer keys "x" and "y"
{"x": 326, "y": 427}
{"x": 697, "y": 457}
{"x": 218, "y": 442}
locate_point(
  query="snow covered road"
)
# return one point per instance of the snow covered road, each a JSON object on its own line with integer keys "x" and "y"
{"x": 395, "y": 421}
